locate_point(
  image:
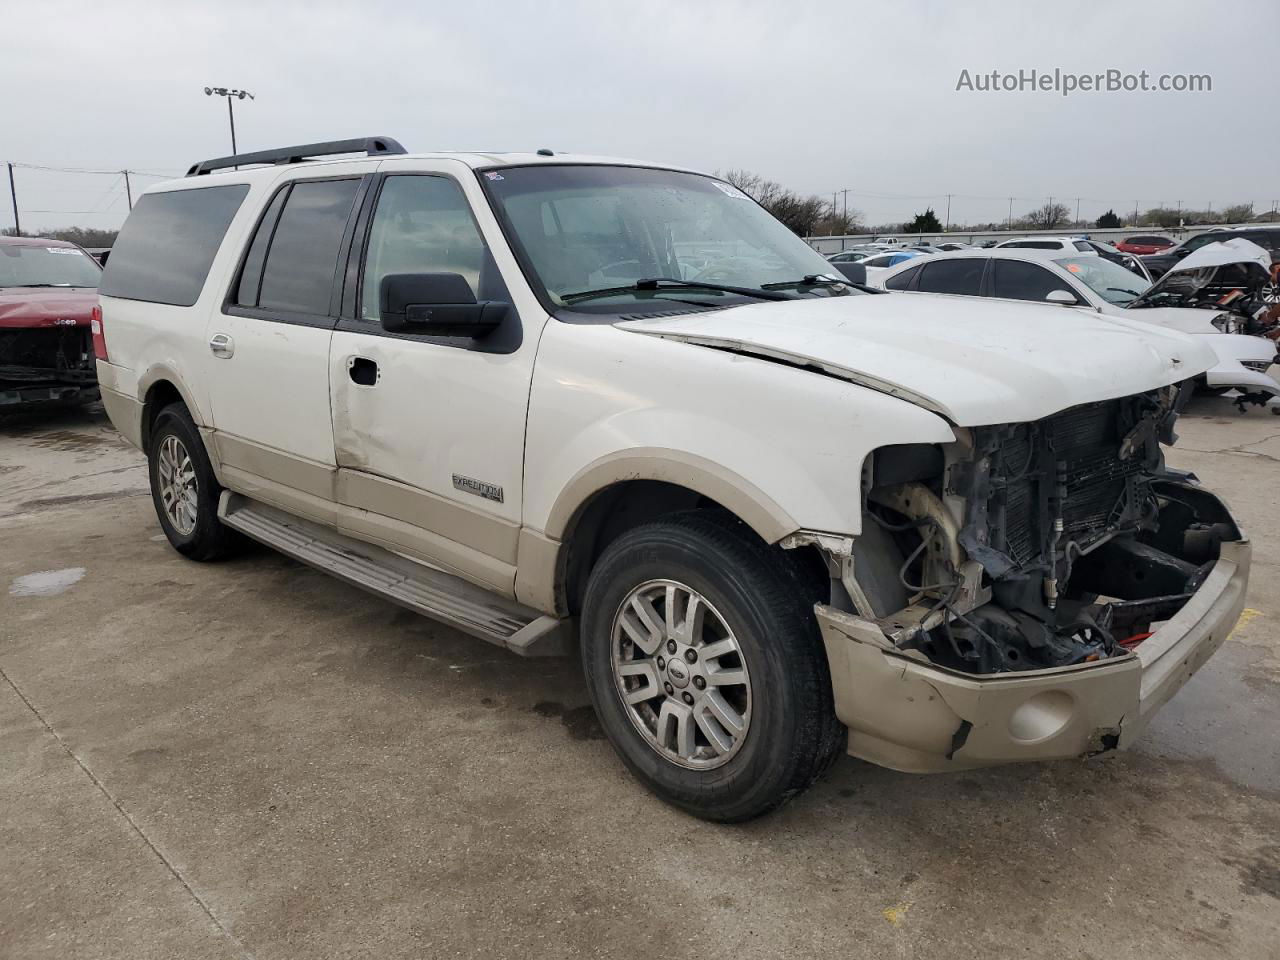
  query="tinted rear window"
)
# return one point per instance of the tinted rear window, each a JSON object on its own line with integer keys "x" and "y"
{"x": 299, "y": 271}
{"x": 167, "y": 245}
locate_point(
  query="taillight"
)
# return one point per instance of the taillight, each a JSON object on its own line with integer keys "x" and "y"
{"x": 99, "y": 338}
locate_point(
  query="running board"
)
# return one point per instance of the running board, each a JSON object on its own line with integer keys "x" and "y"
{"x": 416, "y": 586}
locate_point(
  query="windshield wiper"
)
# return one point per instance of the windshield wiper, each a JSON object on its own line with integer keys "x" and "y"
{"x": 1123, "y": 290}
{"x": 37, "y": 285}
{"x": 674, "y": 283}
{"x": 821, "y": 280}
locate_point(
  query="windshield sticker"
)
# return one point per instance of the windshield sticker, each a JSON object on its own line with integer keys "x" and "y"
{"x": 493, "y": 175}
{"x": 71, "y": 250}
{"x": 1073, "y": 267}
{"x": 730, "y": 191}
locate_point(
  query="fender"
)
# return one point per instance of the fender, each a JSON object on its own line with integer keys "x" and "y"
{"x": 732, "y": 491}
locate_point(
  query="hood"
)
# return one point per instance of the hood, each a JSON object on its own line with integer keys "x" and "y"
{"x": 974, "y": 362}
{"x": 1235, "y": 250}
{"x": 1197, "y": 269}
{"x": 46, "y": 306}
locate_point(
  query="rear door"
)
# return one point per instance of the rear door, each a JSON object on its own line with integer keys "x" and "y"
{"x": 268, "y": 345}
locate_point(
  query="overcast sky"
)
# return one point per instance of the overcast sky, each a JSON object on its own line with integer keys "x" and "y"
{"x": 819, "y": 96}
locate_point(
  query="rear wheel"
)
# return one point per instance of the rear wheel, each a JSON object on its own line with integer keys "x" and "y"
{"x": 705, "y": 665}
{"x": 184, "y": 489}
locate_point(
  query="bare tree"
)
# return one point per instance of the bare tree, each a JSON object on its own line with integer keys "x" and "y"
{"x": 1048, "y": 217}
{"x": 805, "y": 216}
{"x": 1238, "y": 213}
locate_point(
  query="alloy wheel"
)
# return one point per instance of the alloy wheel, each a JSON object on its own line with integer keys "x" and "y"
{"x": 681, "y": 674}
{"x": 176, "y": 481}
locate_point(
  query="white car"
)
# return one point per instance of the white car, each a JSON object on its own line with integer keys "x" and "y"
{"x": 568, "y": 404}
{"x": 1088, "y": 283}
{"x": 1045, "y": 243}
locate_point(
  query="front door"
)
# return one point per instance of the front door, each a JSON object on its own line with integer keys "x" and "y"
{"x": 429, "y": 431}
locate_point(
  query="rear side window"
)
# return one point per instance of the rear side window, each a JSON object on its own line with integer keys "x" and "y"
{"x": 1017, "y": 280}
{"x": 963, "y": 277}
{"x": 297, "y": 253}
{"x": 167, "y": 245}
{"x": 1083, "y": 245}
{"x": 1035, "y": 245}
{"x": 900, "y": 281}
{"x": 1267, "y": 239}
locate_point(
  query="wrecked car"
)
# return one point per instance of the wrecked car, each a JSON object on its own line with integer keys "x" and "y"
{"x": 573, "y": 405}
{"x": 1235, "y": 278}
{"x": 48, "y": 289}
{"x": 1087, "y": 284}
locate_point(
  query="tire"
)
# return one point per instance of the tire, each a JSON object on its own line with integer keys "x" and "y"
{"x": 193, "y": 528}
{"x": 752, "y": 595}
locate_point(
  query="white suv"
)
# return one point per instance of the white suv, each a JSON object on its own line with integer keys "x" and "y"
{"x": 565, "y": 402}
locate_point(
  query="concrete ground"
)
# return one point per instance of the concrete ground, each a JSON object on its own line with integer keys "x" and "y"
{"x": 250, "y": 759}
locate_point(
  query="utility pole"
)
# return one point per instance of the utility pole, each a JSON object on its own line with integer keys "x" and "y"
{"x": 128, "y": 191}
{"x": 13, "y": 195}
{"x": 1135, "y": 213}
{"x": 1009, "y": 223}
{"x": 845, "y": 214}
{"x": 947, "y": 226}
{"x": 1077, "y": 209}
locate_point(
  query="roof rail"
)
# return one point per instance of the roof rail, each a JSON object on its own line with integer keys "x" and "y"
{"x": 370, "y": 146}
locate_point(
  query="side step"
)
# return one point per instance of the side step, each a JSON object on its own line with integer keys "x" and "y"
{"x": 418, "y": 587}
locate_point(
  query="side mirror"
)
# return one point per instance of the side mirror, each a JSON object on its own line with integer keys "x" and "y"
{"x": 1063, "y": 297}
{"x": 436, "y": 304}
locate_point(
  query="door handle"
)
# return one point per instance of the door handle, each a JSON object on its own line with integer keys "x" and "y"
{"x": 222, "y": 346}
{"x": 363, "y": 371}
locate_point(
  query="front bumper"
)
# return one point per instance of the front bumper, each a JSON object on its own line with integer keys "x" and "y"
{"x": 907, "y": 714}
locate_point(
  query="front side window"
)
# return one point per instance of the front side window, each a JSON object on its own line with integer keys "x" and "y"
{"x": 299, "y": 263}
{"x": 422, "y": 224}
{"x": 32, "y": 265}
{"x": 962, "y": 277}
{"x": 1018, "y": 280}
{"x": 166, "y": 247}
{"x": 591, "y": 229}
{"x": 1112, "y": 282}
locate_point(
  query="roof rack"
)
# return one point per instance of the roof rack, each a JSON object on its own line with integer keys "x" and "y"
{"x": 370, "y": 146}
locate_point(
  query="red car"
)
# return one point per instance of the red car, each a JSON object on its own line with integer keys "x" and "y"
{"x": 1144, "y": 244}
{"x": 48, "y": 292}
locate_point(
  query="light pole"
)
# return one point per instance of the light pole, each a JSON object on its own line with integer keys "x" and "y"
{"x": 231, "y": 114}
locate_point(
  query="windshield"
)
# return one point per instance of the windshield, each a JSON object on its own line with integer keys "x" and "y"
{"x": 28, "y": 265}
{"x": 598, "y": 228}
{"x": 1109, "y": 280}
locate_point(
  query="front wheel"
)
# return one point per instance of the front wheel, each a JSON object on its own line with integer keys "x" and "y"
{"x": 705, "y": 666}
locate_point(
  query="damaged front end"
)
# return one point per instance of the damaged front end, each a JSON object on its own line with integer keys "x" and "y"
{"x": 46, "y": 365}
{"x": 1014, "y": 581}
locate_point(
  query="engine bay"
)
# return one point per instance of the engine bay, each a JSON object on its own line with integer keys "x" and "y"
{"x": 1033, "y": 545}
